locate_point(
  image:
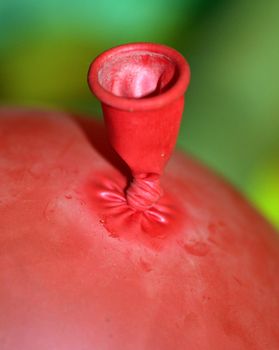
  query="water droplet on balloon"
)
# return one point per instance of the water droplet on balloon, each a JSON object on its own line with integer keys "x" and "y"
{"x": 196, "y": 248}
{"x": 146, "y": 266}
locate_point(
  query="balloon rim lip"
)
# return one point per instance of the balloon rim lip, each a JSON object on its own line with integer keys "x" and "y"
{"x": 146, "y": 103}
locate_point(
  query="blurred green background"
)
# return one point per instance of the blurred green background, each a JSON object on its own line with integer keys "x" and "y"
{"x": 231, "y": 120}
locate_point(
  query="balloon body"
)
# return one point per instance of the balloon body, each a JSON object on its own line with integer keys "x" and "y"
{"x": 80, "y": 270}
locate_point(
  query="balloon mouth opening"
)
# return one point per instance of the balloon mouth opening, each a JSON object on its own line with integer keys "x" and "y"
{"x": 139, "y": 76}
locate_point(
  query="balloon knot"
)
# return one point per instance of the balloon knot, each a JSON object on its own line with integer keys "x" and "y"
{"x": 144, "y": 191}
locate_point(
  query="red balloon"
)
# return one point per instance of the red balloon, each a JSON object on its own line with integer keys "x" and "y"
{"x": 82, "y": 268}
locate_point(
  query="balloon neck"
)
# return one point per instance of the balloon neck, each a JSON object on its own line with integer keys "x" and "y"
{"x": 144, "y": 191}
{"x": 141, "y": 87}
